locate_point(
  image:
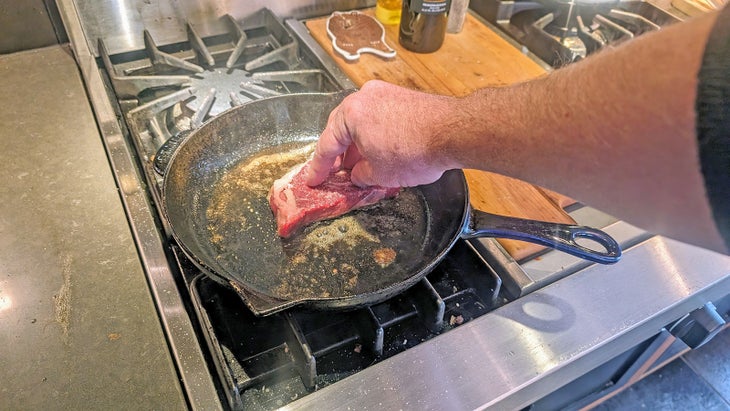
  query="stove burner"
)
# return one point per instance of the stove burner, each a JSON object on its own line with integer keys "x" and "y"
{"x": 568, "y": 32}
{"x": 563, "y": 21}
{"x": 166, "y": 90}
{"x": 207, "y": 85}
{"x": 602, "y": 32}
{"x": 252, "y": 86}
{"x": 567, "y": 28}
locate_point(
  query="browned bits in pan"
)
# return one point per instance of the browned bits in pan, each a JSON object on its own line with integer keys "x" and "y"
{"x": 384, "y": 256}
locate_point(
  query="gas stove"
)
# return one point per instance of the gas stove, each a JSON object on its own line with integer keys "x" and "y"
{"x": 479, "y": 316}
{"x": 166, "y": 92}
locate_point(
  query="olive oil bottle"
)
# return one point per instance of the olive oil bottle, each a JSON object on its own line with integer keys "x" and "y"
{"x": 423, "y": 25}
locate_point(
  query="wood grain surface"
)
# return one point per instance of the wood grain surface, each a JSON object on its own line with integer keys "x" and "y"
{"x": 475, "y": 58}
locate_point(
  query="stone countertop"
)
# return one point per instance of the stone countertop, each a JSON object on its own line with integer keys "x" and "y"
{"x": 79, "y": 326}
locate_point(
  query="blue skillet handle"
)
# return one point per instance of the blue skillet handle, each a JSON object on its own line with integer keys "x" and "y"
{"x": 554, "y": 235}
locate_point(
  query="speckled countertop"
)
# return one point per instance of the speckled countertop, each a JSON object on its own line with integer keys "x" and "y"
{"x": 78, "y": 326}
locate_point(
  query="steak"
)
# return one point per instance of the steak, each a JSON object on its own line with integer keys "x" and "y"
{"x": 295, "y": 204}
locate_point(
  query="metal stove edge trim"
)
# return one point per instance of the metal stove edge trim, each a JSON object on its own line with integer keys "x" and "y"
{"x": 512, "y": 365}
{"x": 190, "y": 363}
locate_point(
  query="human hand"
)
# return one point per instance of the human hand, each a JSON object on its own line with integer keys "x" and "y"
{"x": 388, "y": 135}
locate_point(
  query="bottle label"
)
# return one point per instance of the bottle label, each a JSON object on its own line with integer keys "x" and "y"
{"x": 430, "y": 6}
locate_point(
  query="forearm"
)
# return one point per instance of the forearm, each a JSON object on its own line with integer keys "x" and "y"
{"x": 646, "y": 89}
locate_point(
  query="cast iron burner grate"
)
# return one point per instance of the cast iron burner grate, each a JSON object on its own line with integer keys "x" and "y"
{"x": 268, "y": 362}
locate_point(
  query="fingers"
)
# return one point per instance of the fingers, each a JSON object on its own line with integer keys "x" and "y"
{"x": 333, "y": 142}
{"x": 351, "y": 157}
{"x": 319, "y": 169}
{"x": 338, "y": 163}
{"x": 358, "y": 117}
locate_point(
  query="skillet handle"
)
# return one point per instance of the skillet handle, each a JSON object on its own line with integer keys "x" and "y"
{"x": 554, "y": 235}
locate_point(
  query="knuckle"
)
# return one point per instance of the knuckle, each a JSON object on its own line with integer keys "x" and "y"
{"x": 352, "y": 109}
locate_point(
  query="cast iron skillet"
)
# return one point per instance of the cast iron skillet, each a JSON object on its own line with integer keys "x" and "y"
{"x": 215, "y": 199}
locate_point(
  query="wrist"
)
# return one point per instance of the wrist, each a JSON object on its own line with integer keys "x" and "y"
{"x": 479, "y": 128}
{"x": 445, "y": 129}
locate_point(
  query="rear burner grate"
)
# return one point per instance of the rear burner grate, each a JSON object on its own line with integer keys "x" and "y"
{"x": 165, "y": 90}
{"x": 567, "y": 31}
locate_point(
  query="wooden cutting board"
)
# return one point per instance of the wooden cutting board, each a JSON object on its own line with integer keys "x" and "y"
{"x": 475, "y": 58}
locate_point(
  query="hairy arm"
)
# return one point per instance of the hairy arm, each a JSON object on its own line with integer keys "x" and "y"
{"x": 616, "y": 131}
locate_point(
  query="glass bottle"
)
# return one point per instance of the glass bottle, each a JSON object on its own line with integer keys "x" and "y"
{"x": 388, "y": 11}
{"x": 423, "y": 25}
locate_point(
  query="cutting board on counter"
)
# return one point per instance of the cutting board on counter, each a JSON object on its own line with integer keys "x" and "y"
{"x": 475, "y": 58}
